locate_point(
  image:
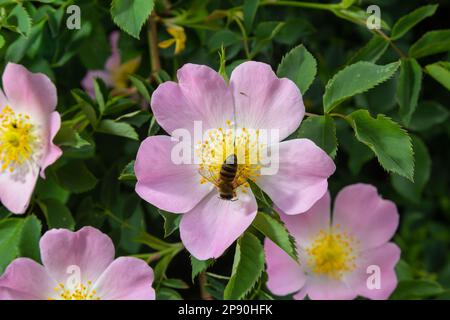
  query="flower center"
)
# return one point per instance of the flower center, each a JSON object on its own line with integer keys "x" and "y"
{"x": 332, "y": 254}
{"x": 81, "y": 292}
{"x": 17, "y": 139}
{"x": 220, "y": 145}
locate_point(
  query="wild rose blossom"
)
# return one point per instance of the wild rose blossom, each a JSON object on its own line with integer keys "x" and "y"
{"x": 254, "y": 100}
{"x": 340, "y": 256}
{"x": 28, "y": 124}
{"x": 116, "y": 73}
{"x": 77, "y": 266}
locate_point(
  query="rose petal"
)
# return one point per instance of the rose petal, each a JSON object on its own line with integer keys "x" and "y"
{"x": 360, "y": 210}
{"x": 214, "y": 224}
{"x": 306, "y": 226}
{"x": 114, "y": 60}
{"x": 31, "y": 93}
{"x": 53, "y": 151}
{"x": 385, "y": 258}
{"x": 25, "y": 279}
{"x": 88, "y": 81}
{"x": 263, "y": 101}
{"x": 126, "y": 279}
{"x": 323, "y": 288}
{"x": 88, "y": 249}
{"x": 285, "y": 275}
{"x": 171, "y": 187}
{"x": 200, "y": 95}
{"x": 302, "y": 176}
{"x": 16, "y": 188}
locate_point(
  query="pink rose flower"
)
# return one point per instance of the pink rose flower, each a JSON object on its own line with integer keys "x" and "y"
{"x": 77, "y": 266}
{"x": 28, "y": 124}
{"x": 115, "y": 74}
{"x": 343, "y": 256}
{"x": 254, "y": 100}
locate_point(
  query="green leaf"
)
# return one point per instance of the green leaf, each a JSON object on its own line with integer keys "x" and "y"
{"x": 430, "y": 43}
{"x": 76, "y": 177}
{"x": 358, "y": 153}
{"x": 408, "y": 88}
{"x": 223, "y": 38}
{"x": 371, "y": 52}
{"x": 300, "y": 66}
{"x": 19, "y": 48}
{"x": 99, "y": 88}
{"x": 440, "y": 71}
{"x": 141, "y": 85}
{"x": 354, "y": 79}
{"x": 29, "y": 242}
{"x": 168, "y": 294}
{"x": 322, "y": 131}
{"x": 127, "y": 173}
{"x": 275, "y": 230}
{"x": 2, "y": 41}
{"x": 248, "y": 266}
{"x": 68, "y": 136}
{"x": 249, "y": 8}
{"x": 23, "y": 25}
{"x": 405, "y": 23}
{"x": 416, "y": 289}
{"x": 171, "y": 222}
{"x": 390, "y": 143}
{"x": 199, "y": 266}
{"x": 10, "y": 235}
{"x": 57, "y": 214}
{"x": 422, "y": 162}
{"x": 130, "y": 15}
{"x": 427, "y": 115}
{"x": 120, "y": 129}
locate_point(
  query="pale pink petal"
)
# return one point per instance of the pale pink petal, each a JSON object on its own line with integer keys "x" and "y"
{"x": 31, "y": 93}
{"x": 302, "y": 176}
{"x": 169, "y": 186}
{"x": 16, "y": 188}
{"x": 285, "y": 275}
{"x": 88, "y": 81}
{"x": 214, "y": 224}
{"x": 301, "y": 295}
{"x": 53, "y": 151}
{"x": 25, "y": 279}
{"x": 126, "y": 279}
{"x": 3, "y": 100}
{"x": 306, "y": 226}
{"x": 359, "y": 209}
{"x": 88, "y": 249}
{"x": 263, "y": 101}
{"x": 114, "y": 60}
{"x": 385, "y": 258}
{"x": 324, "y": 288}
{"x": 200, "y": 95}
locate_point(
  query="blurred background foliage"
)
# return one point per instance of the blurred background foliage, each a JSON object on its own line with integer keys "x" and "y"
{"x": 93, "y": 183}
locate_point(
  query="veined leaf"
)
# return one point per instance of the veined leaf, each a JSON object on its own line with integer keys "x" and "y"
{"x": 130, "y": 15}
{"x": 354, "y": 79}
{"x": 300, "y": 66}
{"x": 371, "y": 52}
{"x": 427, "y": 115}
{"x": 10, "y": 235}
{"x": 276, "y": 231}
{"x": 322, "y": 131}
{"x": 422, "y": 161}
{"x": 199, "y": 266}
{"x": 127, "y": 173}
{"x": 405, "y": 23}
{"x": 120, "y": 129}
{"x": 408, "y": 88}
{"x": 29, "y": 242}
{"x": 390, "y": 143}
{"x": 430, "y": 43}
{"x": 248, "y": 266}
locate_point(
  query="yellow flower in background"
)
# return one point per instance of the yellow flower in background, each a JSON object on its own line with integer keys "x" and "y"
{"x": 179, "y": 39}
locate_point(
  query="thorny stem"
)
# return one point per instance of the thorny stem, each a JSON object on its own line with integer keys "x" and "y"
{"x": 153, "y": 45}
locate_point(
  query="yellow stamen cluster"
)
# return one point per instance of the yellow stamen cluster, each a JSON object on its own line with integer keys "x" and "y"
{"x": 17, "y": 139}
{"x": 220, "y": 144}
{"x": 332, "y": 253}
{"x": 82, "y": 292}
